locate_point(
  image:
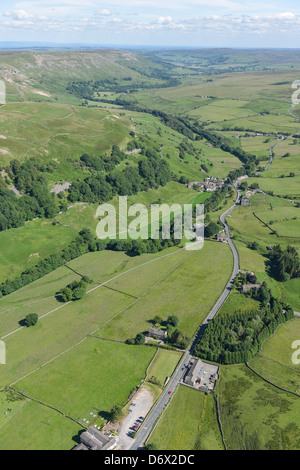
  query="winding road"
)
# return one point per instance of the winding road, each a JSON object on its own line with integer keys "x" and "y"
{"x": 165, "y": 397}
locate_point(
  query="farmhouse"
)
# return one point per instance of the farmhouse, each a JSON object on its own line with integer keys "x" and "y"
{"x": 195, "y": 374}
{"x": 202, "y": 375}
{"x": 222, "y": 237}
{"x": 92, "y": 439}
{"x": 158, "y": 334}
{"x": 245, "y": 202}
{"x": 246, "y": 287}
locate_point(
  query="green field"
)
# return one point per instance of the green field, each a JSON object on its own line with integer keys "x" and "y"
{"x": 176, "y": 294}
{"x": 163, "y": 365}
{"x": 255, "y": 415}
{"x": 36, "y": 427}
{"x": 189, "y": 423}
{"x": 24, "y": 247}
{"x": 60, "y": 133}
{"x": 27, "y": 349}
{"x": 95, "y": 374}
{"x": 237, "y": 301}
{"x": 274, "y": 362}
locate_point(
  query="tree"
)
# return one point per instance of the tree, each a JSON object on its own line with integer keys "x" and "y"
{"x": 116, "y": 413}
{"x": 173, "y": 320}
{"x": 157, "y": 319}
{"x": 183, "y": 180}
{"x": 78, "y": 293}
{"x": 66, "y": 294}
{"x": 211, "y": 229}
{"x": 243, "y": 186}
{"x": 150, "y": 446}
{"x": 140, "y": 338}
{"x": 31, "y": 319}
{"x": 175, "y": 336}
{"x": 254, "y": 246}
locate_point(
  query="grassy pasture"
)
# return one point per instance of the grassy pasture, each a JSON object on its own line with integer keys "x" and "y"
{"x": 245, "y": 86}
{"x": 248, "y": 228}
{"x": 27, "y": 349}
{"x": 23, "y": 247}
{"x": 58, "y": 132}
{"x": 189, "y": 423}
{"x": 236, "y": 302}
{"x": 221, "y": 110}
{"x": 32, "y": 426}
{"x": 96, "y": 374}
{"x": 254, "y": 414}
{"x": 177, "y": 294}
{"x": 163, "y": 365}
{"x": 39, "y": 296}
{"x": 279, "y": 346}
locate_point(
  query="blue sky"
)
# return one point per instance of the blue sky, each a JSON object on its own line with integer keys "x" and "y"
{"x": 187, "y": 23}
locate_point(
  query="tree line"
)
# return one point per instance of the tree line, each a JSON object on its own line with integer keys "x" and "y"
{"x": 231, "y": 339}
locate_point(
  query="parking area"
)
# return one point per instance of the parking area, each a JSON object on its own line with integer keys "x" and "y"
{"x": 138, "y": 410}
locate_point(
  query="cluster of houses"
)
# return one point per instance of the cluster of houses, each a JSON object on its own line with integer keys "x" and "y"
{"x": 93, "y": 439}
{"x": 209, "y": 184}
{"x": 245, "y": 201}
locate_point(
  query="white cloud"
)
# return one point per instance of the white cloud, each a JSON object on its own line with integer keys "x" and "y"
{"x": 104, "y": 12}
{"x": 164, "y": 20}
{"x": 285, "y": 16}
{"x": 18, "y": 15}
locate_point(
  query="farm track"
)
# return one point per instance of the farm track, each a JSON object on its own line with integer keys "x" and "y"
{"x": 99, "y": 326}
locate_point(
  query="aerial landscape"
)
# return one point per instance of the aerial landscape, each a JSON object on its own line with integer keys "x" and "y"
{"x": 149, "y": 227}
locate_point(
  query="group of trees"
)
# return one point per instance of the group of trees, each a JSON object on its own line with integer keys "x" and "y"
{"x": 211, "y": 229}
{"x": 152, "y": 171}
{"x": 284, "y": 264}
{"x": 74, "y": 291}
{"x": 30, "y": 320}
{"x": 236, "y": 338}
{"x": 90, "y": 90}
{"x": 36, "y": 201}
{"x": 218, "y": 197}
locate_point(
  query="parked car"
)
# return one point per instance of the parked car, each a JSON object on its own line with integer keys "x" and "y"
{"x": 141, "y": 417}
